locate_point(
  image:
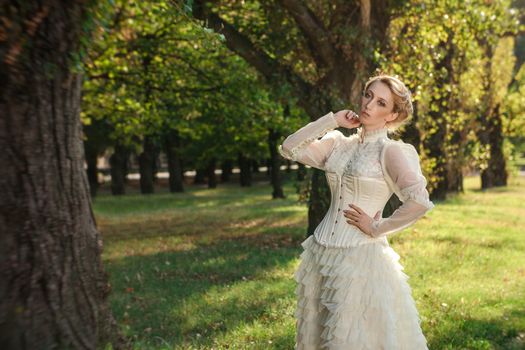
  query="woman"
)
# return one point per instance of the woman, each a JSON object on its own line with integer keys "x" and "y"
{"x": 352, "y": 292}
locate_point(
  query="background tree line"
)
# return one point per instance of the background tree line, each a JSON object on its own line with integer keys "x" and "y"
{"x": 217, "y": 84}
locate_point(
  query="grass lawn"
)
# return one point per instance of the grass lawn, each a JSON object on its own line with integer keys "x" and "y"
{"x": 213, "y": 269}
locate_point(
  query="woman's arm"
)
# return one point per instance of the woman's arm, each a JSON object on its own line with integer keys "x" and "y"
{"x": 304, "y": 147}
{"x": 405, "y": 171}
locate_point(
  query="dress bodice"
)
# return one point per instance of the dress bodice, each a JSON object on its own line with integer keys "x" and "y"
{"x": 364, "y": 169}
{"x": 357, "y": 179}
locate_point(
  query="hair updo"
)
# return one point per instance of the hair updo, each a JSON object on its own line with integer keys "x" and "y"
{"x": 402, "y": 99}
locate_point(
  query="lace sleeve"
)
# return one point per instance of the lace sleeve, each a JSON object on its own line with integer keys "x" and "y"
{"x": 304, "y": 145}
{"x": 403, "y": 166}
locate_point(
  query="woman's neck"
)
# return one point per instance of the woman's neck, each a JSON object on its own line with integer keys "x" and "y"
{"x": 373, "y": 128}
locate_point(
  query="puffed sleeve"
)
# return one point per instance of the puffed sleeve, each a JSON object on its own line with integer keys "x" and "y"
{"x": 401, "y": 161}
{"x": 304, "y": 145}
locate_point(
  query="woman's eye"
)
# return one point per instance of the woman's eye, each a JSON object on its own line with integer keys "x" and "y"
{"x": 381, "y": 104}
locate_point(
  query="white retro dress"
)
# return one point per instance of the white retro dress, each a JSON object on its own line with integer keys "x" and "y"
{"x": 351, "y": 290}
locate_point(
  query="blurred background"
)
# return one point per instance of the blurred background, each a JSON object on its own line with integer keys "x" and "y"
{"x": 146, "y": 205}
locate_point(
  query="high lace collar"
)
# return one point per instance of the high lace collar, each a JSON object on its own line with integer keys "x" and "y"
{"x": 370, "y": 136}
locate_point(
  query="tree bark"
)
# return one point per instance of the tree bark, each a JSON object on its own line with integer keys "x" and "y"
{"x": 176, "y": 182}
{"x": 275, "y": 164}
{"x": 54, "y": 288}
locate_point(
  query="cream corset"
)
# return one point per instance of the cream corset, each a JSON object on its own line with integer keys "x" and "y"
{"x": 370, "y": 194}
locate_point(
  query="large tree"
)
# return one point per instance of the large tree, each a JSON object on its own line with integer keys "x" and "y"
{"x": 54, "y": 288}
{"x": 321, "y": 51}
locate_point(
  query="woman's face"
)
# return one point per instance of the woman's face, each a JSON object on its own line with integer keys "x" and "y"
{"x": 377, "y": 104}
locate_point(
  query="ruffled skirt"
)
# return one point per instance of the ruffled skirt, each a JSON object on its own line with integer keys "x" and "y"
{"x": 354, "y": 298}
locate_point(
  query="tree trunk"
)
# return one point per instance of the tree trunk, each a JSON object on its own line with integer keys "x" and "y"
{"x": 288, "y": 169}
{"x": 255, "y": 166}
{"x": 454, "y": 177}
{"x": 490, "y": 133}
{"x": 92, "y": 170}
{"x": 268, "y": 162}
{"x": 456, "y": 156}
{"x": 118, "y": 164}
{"x": 226, "y": 167}
{"x": 146, "y": 161}
{"x": 174, "y": 164}
{"x": 497, "y": 158}
{"x": 212, "y": 179}
{"x": 411, "y": 134}
{"x": 435, "y": 140}
{"x": 457, "y": 127}
{"x": 54, "y": 287}
{"x": 275, "y": 164}
{"x": 434, "y": 144}
{"x": 126, "y": 164}
{"x": 182, "y": 169}
{"x": 301, "y": 172}
{"x": 200, "y": 176}
{"x": 245, "y": 176}
{"x": 155, "y": 168}
{"x": 491, "y": 136}
{"x": 319, "y": 200}
{"x": 96, "y": 140}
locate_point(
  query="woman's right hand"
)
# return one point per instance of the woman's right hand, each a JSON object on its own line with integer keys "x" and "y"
{"x": 347, "y": 118}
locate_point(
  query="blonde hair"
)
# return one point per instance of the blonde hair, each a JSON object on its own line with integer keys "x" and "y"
{"x": 402, "y": 99}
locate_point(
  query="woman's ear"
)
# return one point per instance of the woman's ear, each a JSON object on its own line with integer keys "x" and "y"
{"x": 392, "y": 116}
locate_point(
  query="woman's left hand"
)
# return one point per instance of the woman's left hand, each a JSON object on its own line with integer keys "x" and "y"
{"x": 359, "y": 218}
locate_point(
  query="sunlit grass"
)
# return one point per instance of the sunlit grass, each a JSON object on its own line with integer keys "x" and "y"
{"x": 213, "y": 269}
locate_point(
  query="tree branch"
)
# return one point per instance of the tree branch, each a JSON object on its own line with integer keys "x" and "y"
{"x": 237, "y": 42}
{"x": 272, "y": 70}
{"x": 317, "y": 38}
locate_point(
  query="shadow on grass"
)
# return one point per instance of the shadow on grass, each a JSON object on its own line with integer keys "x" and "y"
{"x": 198, "y": 294}
{"x": 475, "y": 334}
{"x": 191, "y": 226}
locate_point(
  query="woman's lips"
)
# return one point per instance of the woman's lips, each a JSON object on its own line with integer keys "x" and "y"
{"x": 363, "y": 112}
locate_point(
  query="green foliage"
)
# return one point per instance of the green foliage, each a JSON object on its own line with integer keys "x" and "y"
{"x": 514, "y": 123}
{"x": 154, "y": 70}
{"x": 463, "y": 85}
